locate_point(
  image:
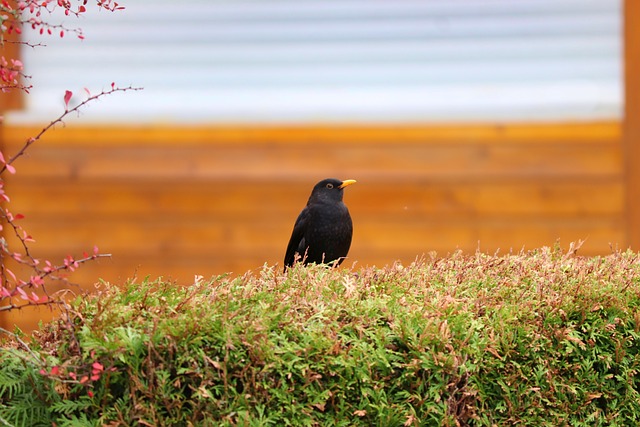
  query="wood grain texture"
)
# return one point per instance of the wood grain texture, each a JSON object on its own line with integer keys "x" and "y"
{"x": 631, "y": 121}
{"x": 173, "y": 155}
{"x": 176, "y": 202}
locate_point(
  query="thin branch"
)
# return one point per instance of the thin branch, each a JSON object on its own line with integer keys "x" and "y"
{"x": 68, "y": 266}
{"x": 61, "y": 118}
{"x": 48, "y": 302}
{"x": 22, "y": 343}
{"x": 23, "y": 43}
{"x": 49, "y": 272}
{"x": 16, "y": 229}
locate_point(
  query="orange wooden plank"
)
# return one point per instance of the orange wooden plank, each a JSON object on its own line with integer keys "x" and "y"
{"x": 266, "y": 241}
{"x": 113, "y": 136}
{"x": 631, "y": 123}
{"x": 375, "y": 242}
{"x": 373, "y": 162}
{"x": 201, "y": 200}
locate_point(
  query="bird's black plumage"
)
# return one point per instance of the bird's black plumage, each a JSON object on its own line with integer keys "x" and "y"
{"x": 322, "y": 233}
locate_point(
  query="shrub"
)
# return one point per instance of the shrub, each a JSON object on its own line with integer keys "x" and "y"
{"x": 540, "y": 339}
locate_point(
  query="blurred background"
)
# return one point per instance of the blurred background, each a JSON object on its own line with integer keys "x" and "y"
{"x": 496, "y": 125}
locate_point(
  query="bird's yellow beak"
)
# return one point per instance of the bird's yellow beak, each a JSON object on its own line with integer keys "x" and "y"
{"x": 347, "y": 182}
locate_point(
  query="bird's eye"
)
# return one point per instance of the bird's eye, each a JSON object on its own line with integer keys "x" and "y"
{"x": 329, "y": 185}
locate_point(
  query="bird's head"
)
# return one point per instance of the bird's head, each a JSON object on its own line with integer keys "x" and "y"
{"x": 330, "y": 189}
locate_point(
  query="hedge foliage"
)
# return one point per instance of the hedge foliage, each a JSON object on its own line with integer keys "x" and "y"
{"x": 539, "y": 338}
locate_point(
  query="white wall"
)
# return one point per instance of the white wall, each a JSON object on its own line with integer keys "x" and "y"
{"x": 229, "y": 61}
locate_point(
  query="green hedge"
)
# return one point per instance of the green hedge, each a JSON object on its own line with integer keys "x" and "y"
{"x": 530, "y": 339}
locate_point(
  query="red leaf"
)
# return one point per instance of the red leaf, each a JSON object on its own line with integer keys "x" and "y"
{"x": 23, "y": 294}
{"x": 36, "y": 281}
{"x": 67, "y": 97}
{"x": 10, "y": 168}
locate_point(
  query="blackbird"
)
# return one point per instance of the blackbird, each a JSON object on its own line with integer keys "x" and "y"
{"x": 322, "y": 233}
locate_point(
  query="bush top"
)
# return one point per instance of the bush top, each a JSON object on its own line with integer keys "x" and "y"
{"x": 455, "y": 340}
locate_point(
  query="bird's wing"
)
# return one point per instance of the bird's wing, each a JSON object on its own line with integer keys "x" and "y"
{"x": 297, "y": 236}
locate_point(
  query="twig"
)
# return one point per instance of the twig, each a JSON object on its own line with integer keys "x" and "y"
{"x": 24, "y": 344}
{"x": 61, "y": 117}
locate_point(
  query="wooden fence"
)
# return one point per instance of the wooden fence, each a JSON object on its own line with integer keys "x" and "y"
{"x": 176, "y": 202}
{"x": 180, "y": 201}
